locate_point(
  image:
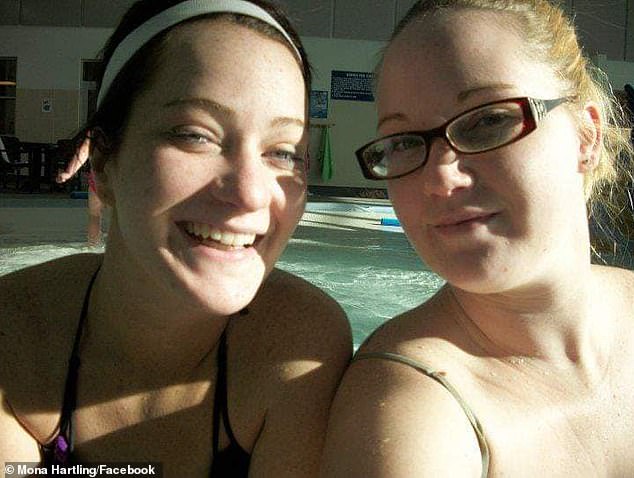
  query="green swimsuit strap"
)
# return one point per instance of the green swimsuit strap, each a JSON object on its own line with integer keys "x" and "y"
{"x": 477, "y": 428}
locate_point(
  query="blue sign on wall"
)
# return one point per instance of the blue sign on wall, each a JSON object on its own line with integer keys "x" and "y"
{"x": 351, "y": 85}
{"x": 318, "y": 104}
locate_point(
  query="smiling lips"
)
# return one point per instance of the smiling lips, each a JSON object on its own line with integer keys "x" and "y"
{"x": 204, "y": 232}
{"x": 462, "y": 219}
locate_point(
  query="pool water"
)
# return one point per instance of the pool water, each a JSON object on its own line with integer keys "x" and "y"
{"x": 369, "y": 269}
{"x": 373, "y": 274}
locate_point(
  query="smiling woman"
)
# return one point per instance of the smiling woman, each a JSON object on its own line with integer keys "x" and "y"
{"x": 195, "y": 351}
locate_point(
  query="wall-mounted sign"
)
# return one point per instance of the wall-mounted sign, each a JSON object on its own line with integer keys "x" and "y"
{"x": 47, "y": 105}
{"x": 351, "y": 85}
{"x": 319, "y": 104}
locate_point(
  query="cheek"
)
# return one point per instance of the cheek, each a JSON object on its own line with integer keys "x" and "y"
{"x": 143, "y": 189}
{"x": 409, "y": 206}
{"x": 404, "y": 196}
{"x": 546, "y": 176}
{"x": 160, "y": 180}
{"x": 290, "y": 198}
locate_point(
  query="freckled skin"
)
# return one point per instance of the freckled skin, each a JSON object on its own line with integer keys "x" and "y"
{"x": 534, "y": 339}
{"x": 539, "y": 171}
{"x": 228, "y": 183}
{"x": 162, "y": 299}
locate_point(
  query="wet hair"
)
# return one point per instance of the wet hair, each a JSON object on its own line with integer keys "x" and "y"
{"x": 550, "y": 38}
{"x": 107, "y": 125}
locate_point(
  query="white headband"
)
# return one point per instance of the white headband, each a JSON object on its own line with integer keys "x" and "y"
{"x": 170, "y": 17}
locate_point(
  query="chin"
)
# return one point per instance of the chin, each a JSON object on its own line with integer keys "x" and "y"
{"x": 220, "y": 294}
{"x": 490, "y": 277}
{"x": 476, "y": 272}
{"x": 227, "y": 302}
{"x": 475, "y": 286}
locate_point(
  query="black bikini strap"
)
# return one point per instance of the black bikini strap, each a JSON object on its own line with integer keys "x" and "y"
{"x": 70, "y": 389}
{"x": 221, "y": 402}
{"x": 220, "y": 396}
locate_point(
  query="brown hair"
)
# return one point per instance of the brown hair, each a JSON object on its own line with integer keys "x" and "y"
{"x": 108, "y": 123}
{"x": 550, "y": 37}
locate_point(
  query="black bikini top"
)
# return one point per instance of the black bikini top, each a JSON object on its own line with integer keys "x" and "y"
{"x": 232, "y": 461}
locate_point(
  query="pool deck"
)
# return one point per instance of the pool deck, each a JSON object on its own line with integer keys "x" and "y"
{"x": 57, "y": 216}
{"x": 38, "y": 218}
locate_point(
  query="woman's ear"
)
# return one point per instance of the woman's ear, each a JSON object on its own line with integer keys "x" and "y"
{"x": 101, "y": 166}
{"x": 591, "y": 138}
{"x": 103, "y": 186}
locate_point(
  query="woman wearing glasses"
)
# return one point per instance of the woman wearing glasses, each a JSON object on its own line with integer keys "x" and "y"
{"x": 495, "y": 140}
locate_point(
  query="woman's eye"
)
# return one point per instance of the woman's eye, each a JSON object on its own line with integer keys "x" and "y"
{"x": 191, "y": 138}
{"x": 491, "y": 120}
{"x": 494, "y": 119}
{"x": 287, "y": 160}
{"x": 406, "y": 143}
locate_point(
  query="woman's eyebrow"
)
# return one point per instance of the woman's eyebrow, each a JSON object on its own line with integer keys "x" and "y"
{"x": 391, "y": 117}
{"x": 462, "y": 96}
{"x": 215, "y": 107}
{"x": 465, "y": 94}
{"x": 202, "y": 103}
{"x": 282, "y": 121}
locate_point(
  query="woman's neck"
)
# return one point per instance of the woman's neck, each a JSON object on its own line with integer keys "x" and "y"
{"x": 131, "y": 322}
{"x": 557, "y": 324}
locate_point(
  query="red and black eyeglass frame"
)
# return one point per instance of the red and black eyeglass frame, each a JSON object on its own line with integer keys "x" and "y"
{"x": 533, "y": 111}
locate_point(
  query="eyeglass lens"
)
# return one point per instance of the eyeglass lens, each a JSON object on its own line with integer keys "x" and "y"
{"x": 479, "y": 130}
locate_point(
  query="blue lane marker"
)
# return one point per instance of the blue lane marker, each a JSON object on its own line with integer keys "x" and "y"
{"x": 389, "y": 221}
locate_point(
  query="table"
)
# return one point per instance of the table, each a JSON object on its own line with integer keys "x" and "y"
{"x": 40, "y": 154}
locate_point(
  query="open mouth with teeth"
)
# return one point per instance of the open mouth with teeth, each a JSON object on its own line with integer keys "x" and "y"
{"x": 206, "y": 234}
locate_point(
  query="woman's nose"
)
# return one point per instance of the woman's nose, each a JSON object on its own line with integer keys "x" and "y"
{"x": 246, "y": 181}
{"x": 443, "y": 174}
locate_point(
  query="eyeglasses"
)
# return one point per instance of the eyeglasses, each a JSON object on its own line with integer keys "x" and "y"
{"x": 483, "y": 128}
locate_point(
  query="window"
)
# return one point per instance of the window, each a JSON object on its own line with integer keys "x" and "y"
{"x": 8, "y": 67}
{"x": 90, "y": 70}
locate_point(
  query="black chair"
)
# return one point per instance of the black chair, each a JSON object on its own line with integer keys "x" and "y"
{"x": 11, "y": 163}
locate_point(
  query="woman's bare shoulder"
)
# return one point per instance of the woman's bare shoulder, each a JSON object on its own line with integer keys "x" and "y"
{"x": 295, "y": 306}
{"x": 620, "y": 282}
{"x": 38, "y": 279}
{"x": 293, "y": 322}
{"x": 292, "y": 326}
{"x": 389, "y": 419}
{"x": 39, "y": 310}
{"x": 424, "y": 329}
{"x": 291, "y": 350}
{"x": 31, "y": 298}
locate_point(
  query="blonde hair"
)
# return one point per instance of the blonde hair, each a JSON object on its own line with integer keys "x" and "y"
{"x": 550, "y": 38}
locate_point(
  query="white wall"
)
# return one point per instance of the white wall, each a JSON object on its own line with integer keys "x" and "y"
{"x": 354, "y": 122}
{"x": 50, "y": 57}
{"x": 619, "y": 72}
{"x": 49, "y": 66}
{"x": 49, "y": 70}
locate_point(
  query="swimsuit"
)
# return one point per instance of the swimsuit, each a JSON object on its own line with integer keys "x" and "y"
{"x": 438, "y": 377}
{"x": 233, "y": 461}
{"x": 91, "y": 182}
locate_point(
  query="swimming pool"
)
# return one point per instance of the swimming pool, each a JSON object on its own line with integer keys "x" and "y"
{"x": 340, "y": 247}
